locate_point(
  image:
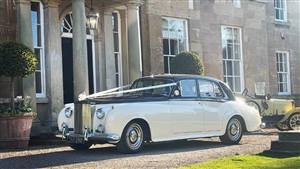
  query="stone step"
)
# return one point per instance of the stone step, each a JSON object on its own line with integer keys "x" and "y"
{"x": 285, "y": 146}
{"x": 293, "y": 136}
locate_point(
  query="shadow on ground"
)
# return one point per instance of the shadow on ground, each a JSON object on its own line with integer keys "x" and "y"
{"x": 278, "y": 155}
{"x": 69, "y": 156}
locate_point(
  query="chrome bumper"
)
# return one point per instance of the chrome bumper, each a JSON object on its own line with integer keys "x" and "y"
{"x": 88, "y": 136}
{"x": 262, "y": 125}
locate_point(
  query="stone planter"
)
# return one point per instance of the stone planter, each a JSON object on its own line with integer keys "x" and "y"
{"x": 15, "y": 131}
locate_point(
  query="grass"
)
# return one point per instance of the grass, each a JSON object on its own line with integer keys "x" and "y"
{"x": 261, "y": 161}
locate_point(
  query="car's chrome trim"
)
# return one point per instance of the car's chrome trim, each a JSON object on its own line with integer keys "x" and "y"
{"x": 86, "y": 136}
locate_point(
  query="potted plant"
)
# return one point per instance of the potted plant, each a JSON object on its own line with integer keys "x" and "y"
{"x": 16, "y": 61}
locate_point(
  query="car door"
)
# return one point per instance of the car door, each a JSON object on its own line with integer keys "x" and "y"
{"x": 184, "y": 109}
{"x": 212, "y": 102}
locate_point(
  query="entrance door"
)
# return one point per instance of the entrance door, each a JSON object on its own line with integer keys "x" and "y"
{"x": 68, "y": 79}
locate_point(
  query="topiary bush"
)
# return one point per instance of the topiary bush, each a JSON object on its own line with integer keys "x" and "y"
{"x": 187, "y": 63}
{"x": 16, "y": 60}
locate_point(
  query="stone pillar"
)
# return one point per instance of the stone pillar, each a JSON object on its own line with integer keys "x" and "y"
{"x": 100, "y": 53}
{"x": 134, "y": 45}
{"x": 109, "y": 50}
{"x": 24, "y": 36}
{"x": 80, "y": 70}
{"x": 53, "y": 57}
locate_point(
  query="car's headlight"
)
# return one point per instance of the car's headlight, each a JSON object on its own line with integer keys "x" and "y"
{"x": 100, "y": 113}
{"x": 68, "y": 112}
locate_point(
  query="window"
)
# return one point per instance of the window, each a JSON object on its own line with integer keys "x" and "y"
{"x": 232, "y": 57}
{"x": 188, "y": 88}
{"x": 236, "y": 3}
{"x": 283, "y": 73}
{"x": 209, "y": 89}
{"x": 280, "y": 10}
{"x": 227, "y": 91}
{"x": 174, "y": 39}
{"x": 117, "y": 48}
{"x": 38, "y": 44}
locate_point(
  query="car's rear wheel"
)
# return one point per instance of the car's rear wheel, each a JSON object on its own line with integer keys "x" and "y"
{"x": 234, "y": 131}
{"x": 294, "y": 121}
{"x": 132, "y": 140}
{"x": 81, "y": 146}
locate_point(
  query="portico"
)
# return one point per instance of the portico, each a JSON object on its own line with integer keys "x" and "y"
{"x": 71, "y": 56}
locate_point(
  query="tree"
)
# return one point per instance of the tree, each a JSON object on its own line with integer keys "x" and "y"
{"x": 16, "y": 60}
{"x": 187, "y": 63}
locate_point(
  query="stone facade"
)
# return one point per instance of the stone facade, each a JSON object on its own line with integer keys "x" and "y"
{"x": 16, "y": 24}
{"x": 141, "y": 43}
{"x": 261, "y": 37}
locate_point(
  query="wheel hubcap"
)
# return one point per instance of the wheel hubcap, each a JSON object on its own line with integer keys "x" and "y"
{"x": 295, "y": 122}
{"x": 134, "y": 136}
{"x": 234, "y": 128}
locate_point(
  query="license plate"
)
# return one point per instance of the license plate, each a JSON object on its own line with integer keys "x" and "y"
{"x": 76, "y": 140}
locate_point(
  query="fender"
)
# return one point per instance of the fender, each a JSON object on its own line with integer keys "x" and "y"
{"x": 116, "y": 123}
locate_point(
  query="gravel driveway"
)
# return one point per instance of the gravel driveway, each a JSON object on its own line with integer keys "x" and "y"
{"x": 163, "y": 155}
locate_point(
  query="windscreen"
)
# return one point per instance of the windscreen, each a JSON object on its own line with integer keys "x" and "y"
{"x": 145, "y": 82}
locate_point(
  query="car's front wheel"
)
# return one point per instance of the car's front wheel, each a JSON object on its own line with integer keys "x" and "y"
{"x": 132, "y": 140}
{"x": 234, "y": 132}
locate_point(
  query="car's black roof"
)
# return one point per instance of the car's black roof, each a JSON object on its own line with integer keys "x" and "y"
{"x": 177, "y": 77}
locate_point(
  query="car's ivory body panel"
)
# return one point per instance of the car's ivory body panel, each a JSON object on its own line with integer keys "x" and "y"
{"x": 173, "y": 119}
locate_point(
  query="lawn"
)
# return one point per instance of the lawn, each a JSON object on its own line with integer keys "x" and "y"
{"x": 261, "y": 161}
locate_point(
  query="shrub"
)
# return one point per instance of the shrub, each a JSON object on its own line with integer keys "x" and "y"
{"x": 187, "y": 63}
{"x": 16, "y": 60}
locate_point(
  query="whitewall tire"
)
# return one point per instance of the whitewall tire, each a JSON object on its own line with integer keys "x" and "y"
{"x": 132, "y": 140}
{"x": 234, "y": 131}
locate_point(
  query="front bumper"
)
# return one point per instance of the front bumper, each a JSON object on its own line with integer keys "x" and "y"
{"x": 87, "y": 136}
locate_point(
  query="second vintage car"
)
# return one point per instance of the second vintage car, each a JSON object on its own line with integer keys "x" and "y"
{"x": 281, "y": 113}
{"x": 160, "y": 108}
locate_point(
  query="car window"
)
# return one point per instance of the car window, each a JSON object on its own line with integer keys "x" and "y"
{"x": 209, "y": 89}
{"x": 188, "y": 88}
{"x": 227, "y": 90}
{"x": 165, "y": 91}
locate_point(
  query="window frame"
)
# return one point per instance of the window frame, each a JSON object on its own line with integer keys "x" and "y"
{"x": 242, "y": 80}
{"x": 284, "y": 9}
{"x": 288, "y": 73}
{"x": 41, "y": 49}
{"x": 185, "y": 21}
{"x": 119, "y": 53}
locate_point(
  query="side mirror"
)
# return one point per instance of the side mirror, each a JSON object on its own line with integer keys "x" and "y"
{"x": 176, "y": 93}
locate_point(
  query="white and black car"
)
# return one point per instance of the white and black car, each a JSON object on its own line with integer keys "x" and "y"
{"x": 161, "y": 108}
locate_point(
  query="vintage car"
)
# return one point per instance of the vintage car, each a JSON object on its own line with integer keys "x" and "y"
{"x": 281, "y": 113}
{"x": 161, "y": 108}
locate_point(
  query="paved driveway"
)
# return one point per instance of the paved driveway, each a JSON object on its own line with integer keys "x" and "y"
{"x": 163, "y": 155}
